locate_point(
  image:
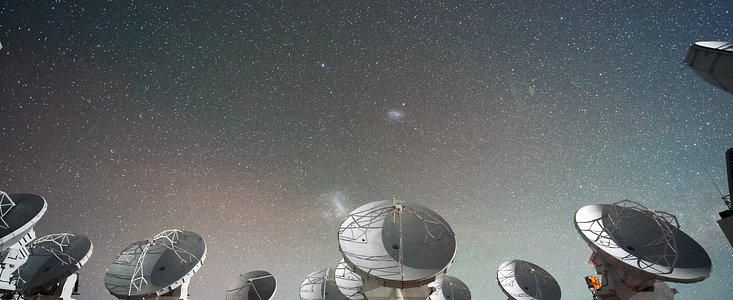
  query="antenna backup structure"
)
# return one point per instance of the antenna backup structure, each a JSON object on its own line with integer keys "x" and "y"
{"x": 50, "y": 272}
{"x": 713, "y": 62}
{"x": 158, "y": 268}
{"x": 452, "y": 288}
{"x": 397, "y": 251}
{"x": 253, "y": 285}
{"x": 726, "y": 216}
{"x": 523, "y": 280}
{"x": 18, "y": 214}
{"x": 321, "y": 285}
{"x": 635, "y": 251}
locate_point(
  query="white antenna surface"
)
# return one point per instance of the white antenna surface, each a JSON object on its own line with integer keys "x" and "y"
{"x": 523, "y": 280}
{"x": 634, "y": 247}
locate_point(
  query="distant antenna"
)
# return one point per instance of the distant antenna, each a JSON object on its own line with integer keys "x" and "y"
{"x": 451, "y": 288}
{"x": 637, "y": 250}
{"x": 160, "y": 266}
{"x": 523, "y": 280}
{"x": 321, "y": 285}
{"x": 349, "y": 283}
{"x": 253, "y": 285}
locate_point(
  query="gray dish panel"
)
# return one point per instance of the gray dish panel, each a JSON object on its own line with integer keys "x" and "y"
{"x": 29, "y": 208}
{"x": 454, "y": 289}
{"x": 713, "y": 62}
{"x": 632, "y": 238}
{"x": 253, "y": 285}
{"x": 321, "y": 285}
{"x": 161, "y": 268}
{"x": 45, "y": 269}
{"x": 410, "y": 246}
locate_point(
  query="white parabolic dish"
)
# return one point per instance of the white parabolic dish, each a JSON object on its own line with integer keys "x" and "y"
{"x": 627, "y": 234}
{"x": 403, "y": 244}
{"x": 523, "y": 280}
{"x": 253, "y": 285}
{"x": 348, "y": 282}
{"x": 320, "y": 285}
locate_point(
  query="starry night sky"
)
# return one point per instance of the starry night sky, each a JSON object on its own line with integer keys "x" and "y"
{"x": 260, "y": 125}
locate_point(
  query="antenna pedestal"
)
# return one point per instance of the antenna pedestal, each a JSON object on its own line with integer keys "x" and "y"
{"x": 12, "y": 258}
{"x": 620, "y": 284}
{"x": 378, "y": 290}
{"x": 65, "y": 291}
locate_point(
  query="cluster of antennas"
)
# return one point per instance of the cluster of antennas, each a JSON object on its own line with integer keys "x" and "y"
{"x": 390, "y": 251}
{"x": 32, "y": 266}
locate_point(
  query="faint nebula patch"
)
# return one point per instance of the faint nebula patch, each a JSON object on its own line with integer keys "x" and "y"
{"x": 395, "y": 115}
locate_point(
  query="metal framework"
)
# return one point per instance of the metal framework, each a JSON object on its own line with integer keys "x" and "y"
{"x": 667, "y": 225}
{"x": 317, "y": 281}
{"x": 60, "y": 240}
{"x": 361, "y": 222}
{"x": 168, "y": 239}
{"x": 507, "y": 277}
{"x": 254, "y": 287}
{"x": 455, "y": 289}
{"x": 137, "y": 252}
{"x": 6, "y": 204}
{"x": 349, "y": 283}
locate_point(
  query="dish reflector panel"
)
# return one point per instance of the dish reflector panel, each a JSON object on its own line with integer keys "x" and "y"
{"x": 628, "y": 234}
{"x": 253, "y": 285}
{"x": 18, "y": 214}
{"x": 320, "y": 285}
{"x": 52, "y": 259}
{"x": 156, "y": 266}
{"x": 713, "y": 62}
{"x": 400, "y": 244}
{"x": 452, "y": 288}
{"x": 524, "y": 280}
{"x": 348, "y": 282}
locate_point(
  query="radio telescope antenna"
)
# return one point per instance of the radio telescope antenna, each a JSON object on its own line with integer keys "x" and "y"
{"x": 160, "y": 266}
{"x": 395, "y": 249}
{"x": 523, "y": 280}
{"x": 321, "y": 285}
{"x": 713, "y": 62}
{"x": 451, "y": 288}
{"x": 253, "y": 285}
{"x": 636, "y": 251}
{"x": 18, "y": 214}
{"x": 348, "y": 282}
{"x": 52, "y": 265}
